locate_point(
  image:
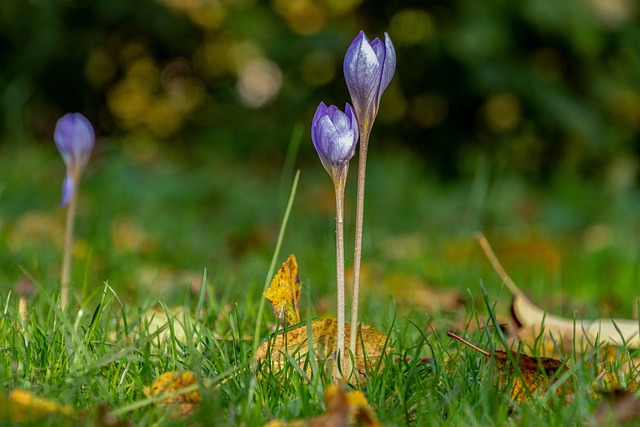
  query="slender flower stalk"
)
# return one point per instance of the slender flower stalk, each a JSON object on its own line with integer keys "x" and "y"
{"x": 368, "y": 70}
{"x": 335, "y": 135}
{"x": 75, "y": 138}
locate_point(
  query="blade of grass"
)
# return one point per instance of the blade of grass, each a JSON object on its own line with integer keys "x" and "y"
{"x": 276, "y": 253}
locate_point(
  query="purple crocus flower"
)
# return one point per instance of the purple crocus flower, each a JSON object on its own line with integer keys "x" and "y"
{"x": 74, "y": 137}
{"x": 368, "y": 70}
{"x": 335, "y": 135}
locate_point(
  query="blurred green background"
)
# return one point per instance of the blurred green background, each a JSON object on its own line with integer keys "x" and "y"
{"x": 539, "y": 84}
{"x": 519, "y": 118}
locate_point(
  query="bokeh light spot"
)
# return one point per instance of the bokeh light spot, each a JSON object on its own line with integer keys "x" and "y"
{"x": 99, "y": 68}
{"x": 411, "y": 26}
{"x": 429, "y": 109}
{"x": 318, "y": 67}
{"x": 502, "y": 112}
{"x": 305, "y": 17}
{"x": 259, "y": 81}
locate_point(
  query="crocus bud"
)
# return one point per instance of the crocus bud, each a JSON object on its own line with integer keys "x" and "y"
{"x": 74, "y": 137}
{"x": 335, "y": 135}
{"x": 368, "y": 70}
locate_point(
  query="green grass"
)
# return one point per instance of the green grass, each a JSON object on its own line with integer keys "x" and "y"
{"x": 152, "y": 219}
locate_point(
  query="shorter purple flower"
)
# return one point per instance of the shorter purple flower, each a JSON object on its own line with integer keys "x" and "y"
{"x": 368, "y": 70}
{"x": 74, "y": 137}
{"x": 335, "y": 135}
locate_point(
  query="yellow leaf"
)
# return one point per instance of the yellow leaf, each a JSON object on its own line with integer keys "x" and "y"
{"x": 23, "y": 407}
{"x": 323, "y": 331}
{"x": 182, "y": 404}
{"x": 284, "y": 292}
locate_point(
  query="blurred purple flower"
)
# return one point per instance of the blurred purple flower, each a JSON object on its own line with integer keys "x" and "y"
{"x": 335, "y": 135}
{"x": 74, "y": 137}
{"x": 368, "y": 70}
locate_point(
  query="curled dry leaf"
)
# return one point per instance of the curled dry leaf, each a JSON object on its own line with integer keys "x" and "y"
{"x": 344, "y": 409}
{"x": 284, "y": 293}
{"x": 21, "y": 406}
{"x": 295, "y": 344}
{"x": 584, "y": 333}
{"x": 157, "y": 318}
{"x": 161, "y": 321}
{"x": 180, "y": 387}
{"x": 536, "y": 374}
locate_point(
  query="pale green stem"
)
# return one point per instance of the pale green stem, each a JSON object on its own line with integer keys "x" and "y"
{"x": 357, "y": 253}
{"x": 340, "y": 344}
{"x": 65, "y": 276}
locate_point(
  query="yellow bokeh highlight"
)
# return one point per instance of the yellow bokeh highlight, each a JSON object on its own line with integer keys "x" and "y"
{"x": 305, "y": 17}
{"x": 99, "y": 68}
{"x": 429, "y": 109}
{"x": 411, "y": 26}
{"x": 149, "y": 96}
{"x": 625, "y": 103}
{"x": 340, "y": 7}
{"x": 318, "y": 67}
{"x": 128, "y": 102}
{"x": 502, "y": 112}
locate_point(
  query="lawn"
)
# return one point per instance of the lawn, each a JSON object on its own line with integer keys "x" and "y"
{"x": 155, "y": 220}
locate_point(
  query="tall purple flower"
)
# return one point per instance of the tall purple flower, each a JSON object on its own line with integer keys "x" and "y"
{"x": 335, "y": 135}
{"x": 74, "y": 137}
{"x": 368, "y": 70}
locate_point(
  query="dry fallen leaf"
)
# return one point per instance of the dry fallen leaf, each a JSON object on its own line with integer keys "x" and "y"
{"x": 344, "y": 409}
{"x": 181, "y": 404}
{"x": 22, "y": 406}
{"x": 536, "y": 374}
{"x": 284, "y": 293}
{"x": 584, "y": 333}
{"x": 294, "y": 343}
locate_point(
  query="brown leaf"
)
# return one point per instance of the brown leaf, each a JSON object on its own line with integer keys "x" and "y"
{"x": 284, "y": 292}
{"x": 618, "y": 407}
{"x": 22, "y": 406}
{"x": 344, "y": 409}
{"x": 584, "y": 333}
{"x": 536, "y": 374}
{"x": 323, "y": 331}
{"x": 182, "y": 403}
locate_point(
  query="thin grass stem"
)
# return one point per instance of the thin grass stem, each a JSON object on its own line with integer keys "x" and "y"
{"x": 272, "y": 267}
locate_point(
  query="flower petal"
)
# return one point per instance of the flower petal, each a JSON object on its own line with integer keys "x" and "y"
{"x": 362, "y": 71}
{"x": 68, "y": 186}
{"x": 389, "y": 64}
{"x": 334, "y": 135}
